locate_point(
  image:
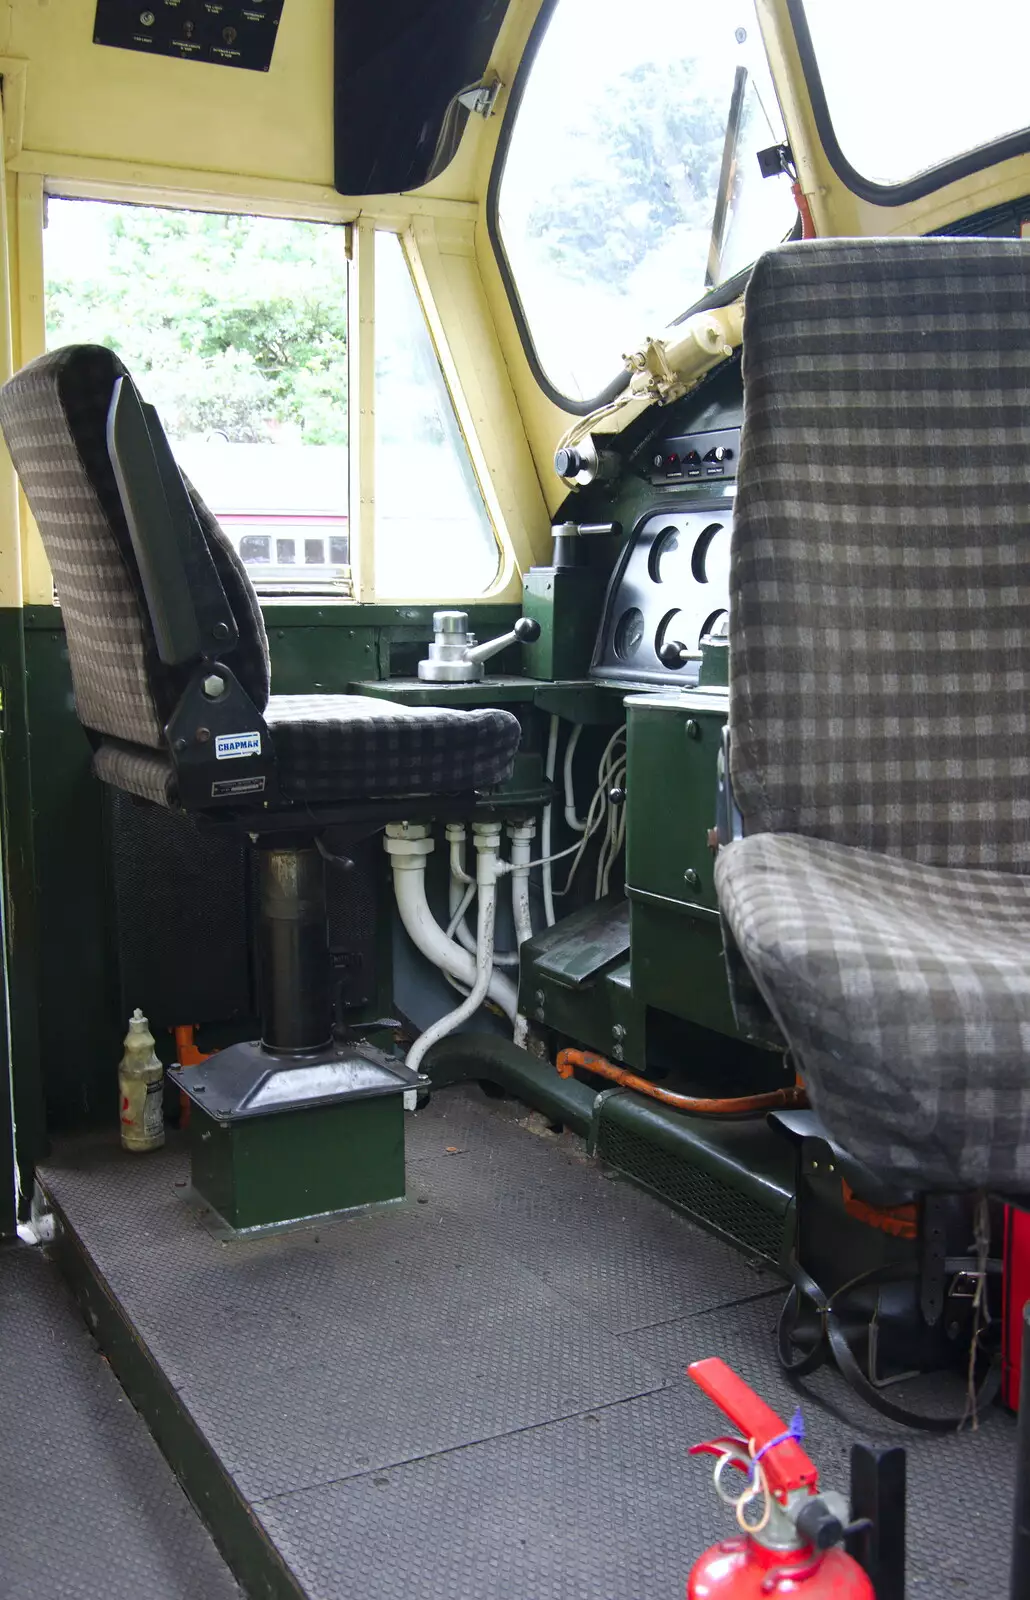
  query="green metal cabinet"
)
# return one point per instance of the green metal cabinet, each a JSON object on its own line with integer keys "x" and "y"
{"x": 673, "y": 744}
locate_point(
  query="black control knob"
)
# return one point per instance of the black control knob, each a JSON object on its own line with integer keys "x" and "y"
{"x": 722, "y": 452}
{"x": 673, "y": 654}
{"x": 568, "y": 462}
{"x": 527, "y": 630}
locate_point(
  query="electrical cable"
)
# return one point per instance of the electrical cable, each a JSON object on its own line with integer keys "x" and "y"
{"x": 610, "y": 769}
{"x": 545, "y": 829}
{"x": 571, "y": 817}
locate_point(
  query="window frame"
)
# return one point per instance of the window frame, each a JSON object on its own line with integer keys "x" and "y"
{"x": 577, "y": 408}
{"x": 893, "y": 194}
{"x": 49, "y": 181}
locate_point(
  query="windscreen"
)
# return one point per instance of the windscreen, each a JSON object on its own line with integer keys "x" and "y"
{"x": 911, "y": 86}
{"x": 630, "y": 181}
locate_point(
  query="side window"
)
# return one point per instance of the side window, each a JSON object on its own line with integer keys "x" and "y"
{"x": 433, "y": 534}
{"x": 235, "y": 328}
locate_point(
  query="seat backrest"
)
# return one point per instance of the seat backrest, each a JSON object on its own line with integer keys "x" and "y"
{"x": 54, "y": 417}
{"x": 880, "y": 568}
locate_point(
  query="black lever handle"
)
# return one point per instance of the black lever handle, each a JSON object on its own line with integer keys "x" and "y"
{"x": 673, "y": 654}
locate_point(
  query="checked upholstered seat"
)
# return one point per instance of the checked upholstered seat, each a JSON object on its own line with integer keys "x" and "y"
{"x": 880, "y": 695}
{"x": 327, "y": 747}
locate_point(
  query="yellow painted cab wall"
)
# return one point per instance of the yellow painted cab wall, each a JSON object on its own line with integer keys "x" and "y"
{"x": 85, "y": 120}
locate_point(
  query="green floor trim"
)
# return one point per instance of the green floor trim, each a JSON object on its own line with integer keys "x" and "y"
{"x": 241, "y": 1540}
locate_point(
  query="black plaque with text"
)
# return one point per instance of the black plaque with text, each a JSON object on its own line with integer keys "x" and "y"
{"x": 229, "y": 35}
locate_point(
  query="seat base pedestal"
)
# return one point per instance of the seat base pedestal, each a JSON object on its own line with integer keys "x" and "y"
{"x": 277, "y": 1138}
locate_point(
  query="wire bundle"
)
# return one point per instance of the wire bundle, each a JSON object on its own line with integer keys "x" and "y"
{"x": 602, "y": 811}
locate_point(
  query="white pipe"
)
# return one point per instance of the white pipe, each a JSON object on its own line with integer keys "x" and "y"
{"x": 487, "y": 840}
{"x": 545, "y": 840}
{"x": 455, "y": 832}
{"x": 408, "y": 844}
{"x": 458, "y": 896}
{"x": 521, "y": 835}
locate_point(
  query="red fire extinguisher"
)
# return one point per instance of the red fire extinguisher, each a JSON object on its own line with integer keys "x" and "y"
{"x": 790, "y": 1533}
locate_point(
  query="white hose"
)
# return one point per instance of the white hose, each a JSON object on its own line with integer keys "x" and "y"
{"x": 408, "y": 845}
{"x": 460, "y": 897}
{"x": 521, "y": 835}
{"x": 458, "y": 911}
{"x": 486, "y": 884}
{"x": 545, "y": 838}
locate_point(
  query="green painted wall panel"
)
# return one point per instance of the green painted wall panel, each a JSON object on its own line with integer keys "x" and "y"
{"x": 19, "y": 863}
{"x": 80, "y": 1032}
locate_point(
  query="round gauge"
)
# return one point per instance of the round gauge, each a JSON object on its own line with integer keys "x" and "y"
{"x": 710, "y": 558}
{"x": 666, "y": 557}
{"x": 674, "y": 627}
{"x": 628, "y": 633}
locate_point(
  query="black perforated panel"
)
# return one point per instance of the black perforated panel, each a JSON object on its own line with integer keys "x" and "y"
{"x": 352, "y": 900}
{"x": 182, "y": 908}
{"x": 693, "y": 1190}
{"x": 672, "y": 584}
{"x": 185, "y": 898}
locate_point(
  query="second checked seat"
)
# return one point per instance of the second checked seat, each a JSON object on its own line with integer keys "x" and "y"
{"x": 170, "y": 667}
{"x": 880, "y": 697}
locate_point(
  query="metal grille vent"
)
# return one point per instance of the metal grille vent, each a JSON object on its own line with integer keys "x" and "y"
{"x": 693, "y": 1190}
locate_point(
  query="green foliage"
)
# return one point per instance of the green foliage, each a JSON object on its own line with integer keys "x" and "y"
{"x": 234, "y": 325}
{"x": 646, "y": 165}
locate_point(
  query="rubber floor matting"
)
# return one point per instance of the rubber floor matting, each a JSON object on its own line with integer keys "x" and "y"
{"x": 89, "y": 1509}
{"x": 480, "y": 1392}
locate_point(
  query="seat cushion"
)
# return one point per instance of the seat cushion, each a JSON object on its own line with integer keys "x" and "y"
{"x": 904, "y": 992}
{"x": 349, "y": 747}
{"x": 344, "y": 747}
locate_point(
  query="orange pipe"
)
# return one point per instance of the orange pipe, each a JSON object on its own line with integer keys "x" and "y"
{"x": 187, "y": 1055}
{"x": 775, "y": 1100}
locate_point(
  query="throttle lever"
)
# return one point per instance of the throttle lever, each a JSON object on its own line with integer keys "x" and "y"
{"x": 455, "y": 657}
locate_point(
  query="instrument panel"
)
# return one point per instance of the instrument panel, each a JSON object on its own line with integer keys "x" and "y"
{"x": 670, "y": 589}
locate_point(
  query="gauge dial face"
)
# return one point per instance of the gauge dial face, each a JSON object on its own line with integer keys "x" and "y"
{"x": 629, "y": 633}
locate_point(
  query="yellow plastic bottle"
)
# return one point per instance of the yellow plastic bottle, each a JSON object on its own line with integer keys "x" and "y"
{"x": 141, "y": 1088}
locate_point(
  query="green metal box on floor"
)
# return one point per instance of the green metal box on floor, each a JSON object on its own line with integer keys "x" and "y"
{"x": 673, "y": 743}
{"x": 275, "y": 1154}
